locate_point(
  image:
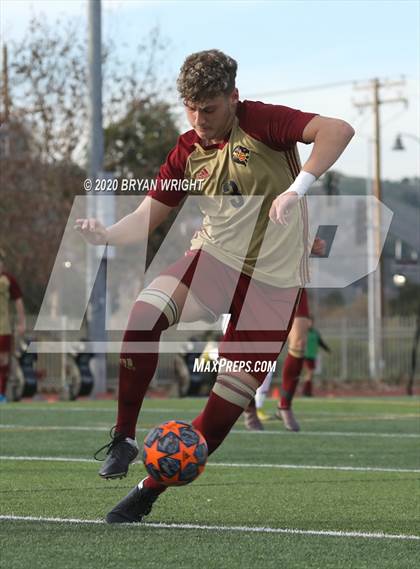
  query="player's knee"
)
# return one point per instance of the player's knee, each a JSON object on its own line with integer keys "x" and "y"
{"x": 150, "y": 316}
{"x": 149, "y": 306}
{"x": 297, "y": 350}
{"x": 237, "y": 389}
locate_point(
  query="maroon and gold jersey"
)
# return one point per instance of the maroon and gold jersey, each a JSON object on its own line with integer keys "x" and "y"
{"x": 239, "y": 180}
{"x": 9, "y": 290}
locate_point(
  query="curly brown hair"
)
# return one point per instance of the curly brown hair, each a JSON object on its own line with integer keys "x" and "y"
{"x": 206, "y": 74}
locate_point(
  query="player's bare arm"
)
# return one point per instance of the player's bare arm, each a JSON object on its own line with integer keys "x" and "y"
{"x": 330, "y": 138}
{"x": 21, "y": 321}
{"x": 132, "y": 228}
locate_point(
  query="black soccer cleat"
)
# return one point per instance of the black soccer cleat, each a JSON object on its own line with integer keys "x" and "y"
{"x": 137, "y": 504}
{"x": 121, "y": 452}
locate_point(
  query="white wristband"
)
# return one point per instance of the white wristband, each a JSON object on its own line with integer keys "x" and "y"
{"x": 302, "y": 183}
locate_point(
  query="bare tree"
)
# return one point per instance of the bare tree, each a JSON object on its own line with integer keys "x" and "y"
{"x": 43, "y": 166}
{"x": 48, "y": 79}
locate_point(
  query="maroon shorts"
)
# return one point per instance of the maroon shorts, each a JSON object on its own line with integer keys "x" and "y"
{"x": 261, "y": 315}
{"x": 309, "y": 363}
{"x": 5, "y": 343}
{"x": 302, "y": 309}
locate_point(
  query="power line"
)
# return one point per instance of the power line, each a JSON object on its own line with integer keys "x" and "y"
{"x": 394, "y": 117}
{"x": 318, "y": 87}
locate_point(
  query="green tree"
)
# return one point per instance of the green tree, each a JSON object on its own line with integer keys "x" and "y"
{"x": 407, "y": 303}
{"x": 137, "y": 145}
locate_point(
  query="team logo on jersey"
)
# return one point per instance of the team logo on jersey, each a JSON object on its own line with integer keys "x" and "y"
{"x": 240, "y": 155}
{"x": 203, "y": 174}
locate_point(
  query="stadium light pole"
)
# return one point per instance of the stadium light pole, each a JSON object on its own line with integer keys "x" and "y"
{"x": 97, "y": 304}
{"x": 400, "y": 280}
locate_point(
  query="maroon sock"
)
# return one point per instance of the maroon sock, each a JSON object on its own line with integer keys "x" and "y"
{"x": 290, "y": 378}
{"x": 216, "y": 420}
{"x": 214, "y": 423}
{"x": 4, "y": 370}
{"x": 137, "y": 369}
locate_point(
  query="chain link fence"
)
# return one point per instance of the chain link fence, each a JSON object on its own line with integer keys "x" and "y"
{"x": 349, "y": 343}
{"x": 348, "y": 362}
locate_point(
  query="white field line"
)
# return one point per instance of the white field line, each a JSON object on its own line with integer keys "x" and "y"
{"x": 92, "y": 409}
{"x": 380, "y": 400}
{"x": 332, "y": 414}
{"x": 234, "y": 431}
{"x": 231, "y": 464}
{"x": 310, "y": 417}
{"x": 336, "y": 417}
{"x": 252, "y": 529}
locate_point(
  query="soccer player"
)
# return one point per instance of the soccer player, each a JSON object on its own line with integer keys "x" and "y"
{"x": 292, "y": 367}
{"x": 249, "y": 258}
{"x": 9, "y": 291}
{"x": 293, "y": 363}
{"x": 291, "y": 370}
{"x": 314, "y": 342}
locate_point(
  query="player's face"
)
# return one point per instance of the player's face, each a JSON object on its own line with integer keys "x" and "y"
{"x": 212, "y": 119}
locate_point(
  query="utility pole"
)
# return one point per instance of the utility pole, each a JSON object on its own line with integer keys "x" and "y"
{"x": 6, "y": 100}
{"x": 5, "y": 115}
{"x": 375, "y": 279}
{"x": 97, "y": 304}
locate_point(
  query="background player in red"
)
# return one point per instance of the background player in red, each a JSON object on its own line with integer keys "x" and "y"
{"x": 239, "y": 150}
{"x": 292, "y": 367}
{"x": 9, "y": 292}
{"x": 293, "y": 364}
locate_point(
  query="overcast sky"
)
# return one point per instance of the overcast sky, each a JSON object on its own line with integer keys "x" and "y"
{"x": 282, "y": 45}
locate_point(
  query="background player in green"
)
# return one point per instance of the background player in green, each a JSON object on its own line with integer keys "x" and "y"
{"x": 239, "y": 149}
{"x": 313, "y": 343}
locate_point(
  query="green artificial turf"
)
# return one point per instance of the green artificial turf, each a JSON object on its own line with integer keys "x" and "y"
{"x": 240, "y": 487}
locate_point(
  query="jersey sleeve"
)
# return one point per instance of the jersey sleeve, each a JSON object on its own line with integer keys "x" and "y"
{"x": 278, "y": 126}
{"x": 172, "y": 169}
{"x": 15, "y": 292}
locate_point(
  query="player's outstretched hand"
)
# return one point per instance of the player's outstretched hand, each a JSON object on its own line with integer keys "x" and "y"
{"x": 92, "y": 230}
{"x": 282, "y": 206}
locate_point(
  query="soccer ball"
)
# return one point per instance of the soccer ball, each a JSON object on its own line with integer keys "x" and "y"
{"x": 174, "y": 453}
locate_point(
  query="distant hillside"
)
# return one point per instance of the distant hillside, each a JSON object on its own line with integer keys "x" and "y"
{"x": 403, "y": 198}
{"x": 407, "y": 190}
